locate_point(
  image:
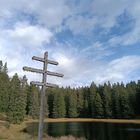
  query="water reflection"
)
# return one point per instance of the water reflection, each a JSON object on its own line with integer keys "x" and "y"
{"x": 91, "y": 131}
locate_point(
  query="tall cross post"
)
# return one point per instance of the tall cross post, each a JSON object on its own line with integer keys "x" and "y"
{"x": 43, "y": 84}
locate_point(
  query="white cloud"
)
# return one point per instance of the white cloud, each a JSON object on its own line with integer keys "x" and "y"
{"x": 132, "y": 36}
{"x": 79, "y": 69}
{"x": 19, "y": 44}
{"x": 79, "y": 18}
{"x": 108, "y": 10}
{"x": 27, "y": 35}
{"x": 83, "y": 72}
{"x": 51, "y": 12}
{"x": 102, "y": 13}
{"x": 119, "y": 70}
{"x": 80, "y": 25}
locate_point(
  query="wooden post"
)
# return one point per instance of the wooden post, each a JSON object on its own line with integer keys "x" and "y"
{"x": 43, "y": 84}
{"x": 42, "y": 101}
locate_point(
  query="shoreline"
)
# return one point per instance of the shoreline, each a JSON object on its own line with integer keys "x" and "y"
{"x": 59, "y": 120}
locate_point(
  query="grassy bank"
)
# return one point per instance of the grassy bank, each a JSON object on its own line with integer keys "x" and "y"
{"x": 50, "y": 120}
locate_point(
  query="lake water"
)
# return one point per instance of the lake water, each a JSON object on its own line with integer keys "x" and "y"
{"x": 90, "y": 130}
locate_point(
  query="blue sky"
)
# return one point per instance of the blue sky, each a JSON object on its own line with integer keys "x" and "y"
{"x": 93, "y": 40}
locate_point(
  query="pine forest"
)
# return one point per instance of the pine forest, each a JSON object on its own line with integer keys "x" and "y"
{"x": 18, "y": 100}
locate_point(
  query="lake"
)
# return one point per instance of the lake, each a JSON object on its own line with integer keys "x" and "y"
{"x": 89, "y": 130}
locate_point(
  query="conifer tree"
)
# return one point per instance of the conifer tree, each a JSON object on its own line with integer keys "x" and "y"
{"x": 85, "y": 109}
{"x": 93, "y": 90}
{"x": 72, "y": 105}
{"x": 124, "y": 106}
{"x": 5, "y": 69}
{"x": 24, "y": 87}
{"x": 67, "y": 92}
{"x": 4, "y": 90}
{"x": 80, "y": 101}
{"x": 50, "y": 97}
{"x": 29, "y": 99}
{"x": 106, "y": 98}
{"x": 59, "y": 110}
{"x": 1, "y": 66}
{"x": 16, "y": 104}
{"x": 124, "y": 102}
{"x": 97, "y": 106}
{"x": 116, "y": 112}
{"x": 131, "y": 91}
{"x": 86, "y": 106}
{"x": 33, "y": 102}
{"x": 46, "y": 106}
{"x": 138, "y": 98}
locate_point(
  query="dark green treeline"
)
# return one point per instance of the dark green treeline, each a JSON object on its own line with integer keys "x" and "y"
{"x": 18, "y": 100}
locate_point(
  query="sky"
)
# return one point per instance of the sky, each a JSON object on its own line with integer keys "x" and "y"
{"x": 93, "y": 40}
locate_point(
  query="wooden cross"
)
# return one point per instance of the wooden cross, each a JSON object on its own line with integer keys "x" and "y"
{"x": 43, "y": 84}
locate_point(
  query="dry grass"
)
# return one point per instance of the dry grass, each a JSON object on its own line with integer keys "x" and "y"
{"x": 94, "y": 120}
{"x": 2, "y": 116}
{"x": 88, "y": 120}
{"x": 13, "y": 132}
